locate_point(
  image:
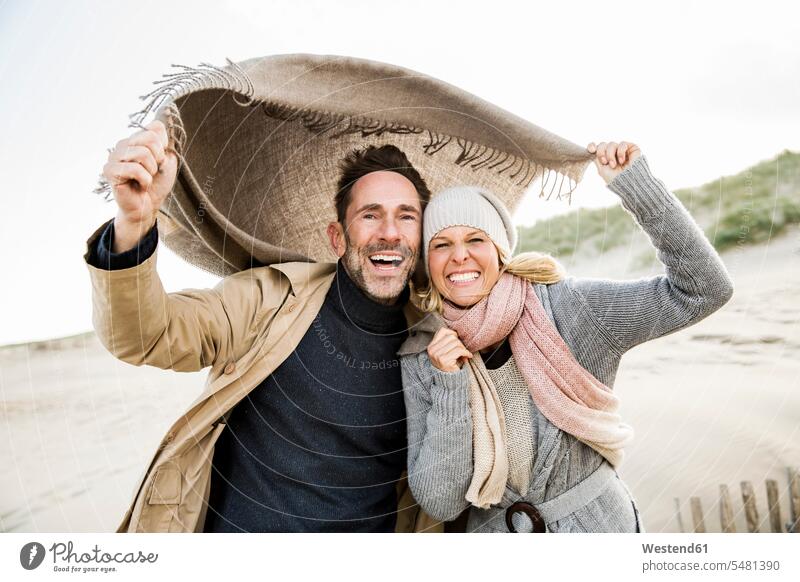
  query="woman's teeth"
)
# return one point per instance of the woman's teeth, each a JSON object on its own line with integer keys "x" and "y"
{"x": 461, "y": 277}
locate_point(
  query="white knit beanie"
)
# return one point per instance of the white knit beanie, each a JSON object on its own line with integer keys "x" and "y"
{"x": 468, "y": 206}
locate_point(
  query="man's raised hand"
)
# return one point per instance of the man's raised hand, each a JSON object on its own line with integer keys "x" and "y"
{"x": 141, "y": 171}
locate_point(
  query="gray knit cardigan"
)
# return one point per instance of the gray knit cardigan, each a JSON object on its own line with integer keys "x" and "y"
{"x": 599, "y": 320}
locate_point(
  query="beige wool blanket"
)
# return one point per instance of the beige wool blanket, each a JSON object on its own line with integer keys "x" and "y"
{"x": 259, "y": 144}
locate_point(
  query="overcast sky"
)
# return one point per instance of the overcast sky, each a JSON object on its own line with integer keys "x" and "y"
{"x": 705, "y": 90}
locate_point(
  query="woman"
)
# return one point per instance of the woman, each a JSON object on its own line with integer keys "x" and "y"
{"x": 508, "y": 393}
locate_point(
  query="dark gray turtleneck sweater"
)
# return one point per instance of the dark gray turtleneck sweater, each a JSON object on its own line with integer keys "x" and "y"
{"x": 321, "y": 443}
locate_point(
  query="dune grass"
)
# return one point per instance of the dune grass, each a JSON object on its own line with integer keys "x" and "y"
{"x": 747, "y": 208}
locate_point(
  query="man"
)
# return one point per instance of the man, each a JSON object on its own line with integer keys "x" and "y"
{"x": 303, "y": 413}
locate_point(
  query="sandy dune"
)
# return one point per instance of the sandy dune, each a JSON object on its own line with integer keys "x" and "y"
{"x": 717, "y": 403}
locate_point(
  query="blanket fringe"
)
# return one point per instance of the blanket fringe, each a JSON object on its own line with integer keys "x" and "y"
{"x": 171, "y": 86}
{"x": 191, "y": 79}
{"x": 436, "y": 141}
{"x": 477, "y": 156}
{"x": 185, "y": 80}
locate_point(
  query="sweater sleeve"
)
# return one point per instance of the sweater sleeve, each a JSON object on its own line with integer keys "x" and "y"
{"x": 439, "y": 436}
{"x": 100, "y": 254}
{"x": 695, "y": 282}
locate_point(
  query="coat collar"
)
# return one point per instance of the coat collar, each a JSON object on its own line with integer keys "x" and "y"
{"x": 303, "y": 276}
{"x": 421, "y": 329}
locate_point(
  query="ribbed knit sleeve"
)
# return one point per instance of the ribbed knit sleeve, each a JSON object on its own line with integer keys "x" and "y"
{"x": 439, "y": 436}
{"x": 695, "y": 282}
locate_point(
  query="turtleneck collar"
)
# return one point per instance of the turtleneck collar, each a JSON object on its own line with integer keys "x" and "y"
{"x": 350, "y": 301}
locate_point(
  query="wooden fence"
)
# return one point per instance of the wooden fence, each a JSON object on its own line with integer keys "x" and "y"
{"x": 772, "y": 522}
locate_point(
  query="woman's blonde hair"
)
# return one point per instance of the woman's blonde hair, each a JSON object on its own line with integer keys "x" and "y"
{"x": 531, "y": 266}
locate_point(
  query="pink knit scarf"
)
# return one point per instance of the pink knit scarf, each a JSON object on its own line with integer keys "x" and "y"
{"x": 565, "y": 392}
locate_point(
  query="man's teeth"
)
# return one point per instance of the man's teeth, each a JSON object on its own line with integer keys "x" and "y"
{"x": 387, "y": 258}
{"x": 458, "y": 277}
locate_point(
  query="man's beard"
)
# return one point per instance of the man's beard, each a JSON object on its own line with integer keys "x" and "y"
{"x": 383, "y": 290}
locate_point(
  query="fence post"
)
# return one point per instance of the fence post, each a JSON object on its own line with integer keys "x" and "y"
{"x": 678, "y": 513}
{"x": 697, "y": 515}
{"x": 750, "y": 510}
{"x": 794, "y": 500}
{"x": 726, "y": 510}
{"x": 774, "y": 506}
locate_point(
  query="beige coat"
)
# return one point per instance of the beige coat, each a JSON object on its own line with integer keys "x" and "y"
{"x": 244, "y": 328}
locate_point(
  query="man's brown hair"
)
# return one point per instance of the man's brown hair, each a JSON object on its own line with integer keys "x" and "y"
{"x": 361, "y": 162}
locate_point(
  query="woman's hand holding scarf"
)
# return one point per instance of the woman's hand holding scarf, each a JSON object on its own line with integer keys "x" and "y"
{"x": 447, "y": 352}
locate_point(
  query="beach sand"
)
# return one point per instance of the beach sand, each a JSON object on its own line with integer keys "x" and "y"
{"x": 718, "y": 403}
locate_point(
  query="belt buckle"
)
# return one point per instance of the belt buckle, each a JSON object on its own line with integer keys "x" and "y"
{"x": 539, "y": 525}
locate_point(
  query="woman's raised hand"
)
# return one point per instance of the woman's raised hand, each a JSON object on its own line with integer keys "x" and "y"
{"x": 447, "y": 352}
{"x": 612, "y": 158}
